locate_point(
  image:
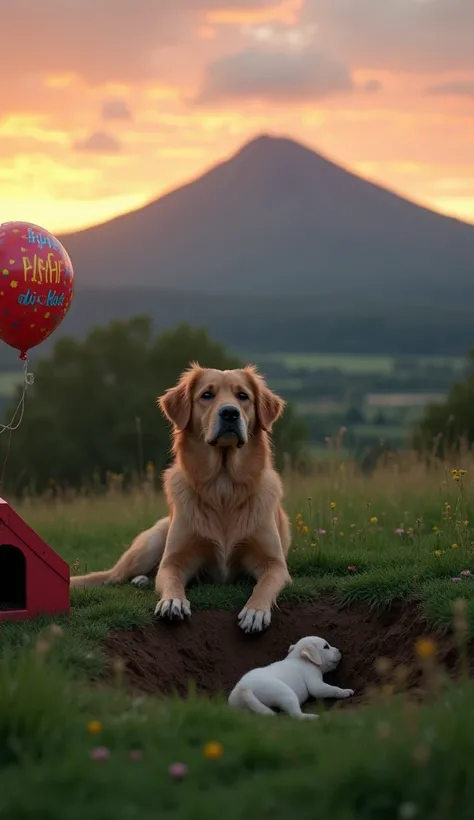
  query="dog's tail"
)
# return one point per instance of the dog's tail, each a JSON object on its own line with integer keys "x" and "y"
{"x": 92, "y": 579}
{"x": 244, "y": 697}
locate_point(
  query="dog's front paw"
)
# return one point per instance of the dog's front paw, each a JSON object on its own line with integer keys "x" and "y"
{"x": 254, "y": 620}
{"x": 140, "y": 581}
{"x": 308, "y": 716}
{"x": 173, "y": 608}
{"x": 347, "y": 693}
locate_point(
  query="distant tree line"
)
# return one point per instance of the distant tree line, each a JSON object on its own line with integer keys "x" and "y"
{"x": 92, "y": 407}
{"x": 449, "y": 425}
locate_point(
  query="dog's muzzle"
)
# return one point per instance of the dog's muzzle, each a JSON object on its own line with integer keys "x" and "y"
{"x": 229, "y": 427}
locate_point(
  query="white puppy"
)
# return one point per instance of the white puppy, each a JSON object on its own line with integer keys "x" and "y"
{"x": 287, "y": 684}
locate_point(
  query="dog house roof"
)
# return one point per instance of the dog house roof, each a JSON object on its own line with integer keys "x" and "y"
{"x": 32, "y": 540}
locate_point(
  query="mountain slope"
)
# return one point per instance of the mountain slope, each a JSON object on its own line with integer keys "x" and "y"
{"x": 279, "y": 218}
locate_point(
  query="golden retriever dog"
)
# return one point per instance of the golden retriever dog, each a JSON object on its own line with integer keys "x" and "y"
{"x": 224, "y": 498}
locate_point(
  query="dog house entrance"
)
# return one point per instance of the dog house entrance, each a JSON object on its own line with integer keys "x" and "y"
{"x": 12, "y": 578}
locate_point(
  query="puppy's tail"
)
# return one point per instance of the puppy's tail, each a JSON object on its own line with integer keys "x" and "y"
{"x": 244, "y": 697}
{"x": 93, "y": 579}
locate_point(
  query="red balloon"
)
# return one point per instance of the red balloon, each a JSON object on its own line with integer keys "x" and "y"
{"x": 36, "y": 284}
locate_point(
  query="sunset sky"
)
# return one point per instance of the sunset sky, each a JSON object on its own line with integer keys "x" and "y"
{"x": 106, "y": 104}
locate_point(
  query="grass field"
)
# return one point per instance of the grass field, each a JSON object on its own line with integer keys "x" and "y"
{"x": 404, "y": 533}
{"x": 355, "y": 363}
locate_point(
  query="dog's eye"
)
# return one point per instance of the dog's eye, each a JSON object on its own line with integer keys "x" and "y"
{"x": 207, "y": 395}
{"x": 242, "y": 396}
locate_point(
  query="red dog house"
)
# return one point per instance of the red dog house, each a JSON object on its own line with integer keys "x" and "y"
{"x": 34, "y": 580}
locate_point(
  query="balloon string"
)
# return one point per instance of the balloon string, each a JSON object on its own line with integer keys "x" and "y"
{"x": 28, "y": 379}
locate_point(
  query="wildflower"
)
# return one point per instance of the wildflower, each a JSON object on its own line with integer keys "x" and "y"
{"x": 399, "y": 531}
{"x": 465, "y": 573}
{"x": 305, "y": 529}
{"x": 299, "y": 516}
{"x": 410, "y": 532}
{"x": 438, "y": 553}
{"x": 213, "y": 750}
{"x": 341, "y": 535}
{"x": 100, "y": 753}
{"x": 135, "y": 754}
{"x": 374, "y": 520}
{"x": 435, "y": 528}
{"x": 425, "y": 648}
{"x": 465, "y": 523}
{"x": 332, "y": 505}
{"x": 94, "y": 727}
{"x": 454, "y": 546}
{"x": 314, "y": 545}
{"x": 456, "y": 579}
{"x": 352, "y": 568}
{"x": 177, "y": 771}
{"x": 322, "y": 532}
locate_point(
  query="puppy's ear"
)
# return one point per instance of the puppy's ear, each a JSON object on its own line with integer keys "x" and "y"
{"x": 269, "y": 406}
{"x": 290, "y": 649}
{"x": 177, "y": 402}
{"x": 312, "y": 654}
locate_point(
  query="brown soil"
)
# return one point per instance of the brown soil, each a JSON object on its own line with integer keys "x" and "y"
{"x": 211, "y": 653}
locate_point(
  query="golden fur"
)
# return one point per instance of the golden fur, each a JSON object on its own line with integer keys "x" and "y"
{"x": 225, "y": 512}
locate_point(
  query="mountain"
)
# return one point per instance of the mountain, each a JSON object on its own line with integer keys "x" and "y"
{"x": 278, "y": 218}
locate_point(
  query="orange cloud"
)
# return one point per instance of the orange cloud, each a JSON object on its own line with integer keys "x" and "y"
{"x": 286, "y": 12}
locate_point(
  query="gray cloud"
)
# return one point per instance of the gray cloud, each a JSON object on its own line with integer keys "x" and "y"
{"x": 411, "y": 35}
{"x": 116, "y": 109}
{"x": 457, "y": 88}
{"x": 99, "y": 142}
{"x": 274, "y": 75}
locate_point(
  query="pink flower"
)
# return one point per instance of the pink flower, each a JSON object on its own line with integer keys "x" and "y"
{"x": 135, "y": 754}
{"x": 100, "y": 753}
{"x": 456, "y": 579}
{"x": 178, "y": 770}
{"x": 399, "y": 531}
{"x": 465, "y": 572}
{"x": 322, "y": 532}
{"x": 352, "y": 568}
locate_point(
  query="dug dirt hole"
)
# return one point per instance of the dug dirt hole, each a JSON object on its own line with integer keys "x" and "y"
{"x": 211, "y": 653}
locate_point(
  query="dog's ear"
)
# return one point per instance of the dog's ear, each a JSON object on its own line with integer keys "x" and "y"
{"x": 269, "y": 406}
{"x": 312, "y": 654}
{"x": 177, "y": 402}
{"x": 290, "y": 649}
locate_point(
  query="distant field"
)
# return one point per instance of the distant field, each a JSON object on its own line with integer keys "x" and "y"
{"x": 354, "y": 363}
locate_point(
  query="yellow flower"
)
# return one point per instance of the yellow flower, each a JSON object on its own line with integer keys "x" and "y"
{"x": 94, "y": 727}
{"x": 305, "y": 528}
{"x": 435, "y": 528}
{"x": 341, "y": 534}
{"x": 299, "y": 517}
{"x": 438, "y": 553}
{"x": 332, "y": 505}
{"x": 213, "y": 750}
{"x": 374, "y": 520}
{"x": 454, "y": 546}
{"x": 425, "y": 648}
{"x": 466, "y": 523}
{"x": 314, "y": 545}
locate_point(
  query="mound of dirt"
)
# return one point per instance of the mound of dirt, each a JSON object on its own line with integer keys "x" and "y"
{"x": 212, "y": 653}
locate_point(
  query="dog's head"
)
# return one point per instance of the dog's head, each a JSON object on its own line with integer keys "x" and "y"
{"x": 221, "y": 407}
{"x": 316, "y": 651}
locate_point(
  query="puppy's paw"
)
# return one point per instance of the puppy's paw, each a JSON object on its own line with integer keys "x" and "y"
{"x": 347, "y": 693}
{"x": 140, "y": 581}
{"x": 173, "y": 608}
{"x": 254, "y": 620}
{"x": 308, "y": 716}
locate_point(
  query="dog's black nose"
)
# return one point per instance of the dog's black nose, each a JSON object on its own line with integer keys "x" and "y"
{"x": 229, "y": 412}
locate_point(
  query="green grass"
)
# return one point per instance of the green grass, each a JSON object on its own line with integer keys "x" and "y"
{"x": 382, "y": 761}
{"x": 354, "y": 363}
